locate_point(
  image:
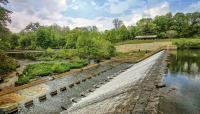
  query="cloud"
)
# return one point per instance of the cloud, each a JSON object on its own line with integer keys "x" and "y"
{"x": 49, "y": 12}
{"x": 21, "y": 19}
{"x": 119, "y": 7}
{"x": 195, "y": 7}
{"x": 159, "y": 9}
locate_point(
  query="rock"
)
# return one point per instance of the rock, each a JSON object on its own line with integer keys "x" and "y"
{"x": 160, "y": 85}
{"x": 51, "y": 78}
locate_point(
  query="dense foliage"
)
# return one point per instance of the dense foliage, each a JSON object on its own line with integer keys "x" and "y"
{"x": 6, "y": 63}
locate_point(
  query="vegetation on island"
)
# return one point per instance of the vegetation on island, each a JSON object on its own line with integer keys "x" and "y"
{"x": 33, "y": 71}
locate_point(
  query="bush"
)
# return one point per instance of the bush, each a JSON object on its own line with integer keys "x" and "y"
{"x": 60, "y": 67}
{"x": 42, "y": 69}
{"x": 23, "y": 79}
{"x": 187, "y": 43}
{"x": 7, "y": 63}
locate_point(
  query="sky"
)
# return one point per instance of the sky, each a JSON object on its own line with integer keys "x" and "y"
{"x": 100, "y": 13}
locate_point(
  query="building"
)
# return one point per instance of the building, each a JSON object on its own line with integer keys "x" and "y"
{"x": 147, "y": 37}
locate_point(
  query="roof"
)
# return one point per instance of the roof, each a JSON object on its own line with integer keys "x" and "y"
{"x": 148, "y": 36}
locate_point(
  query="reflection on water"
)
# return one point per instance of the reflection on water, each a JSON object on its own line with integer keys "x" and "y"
{"x": 184, "y": 75}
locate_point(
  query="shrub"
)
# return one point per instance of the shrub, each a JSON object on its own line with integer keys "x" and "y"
{"x": 60, "y": 67}
{"x": 7, "y": 63}
{"x": 23, "y": 79}
{"x": 187, "y": 43}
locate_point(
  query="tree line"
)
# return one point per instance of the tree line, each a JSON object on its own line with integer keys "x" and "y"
{"x": 35, "y": 36}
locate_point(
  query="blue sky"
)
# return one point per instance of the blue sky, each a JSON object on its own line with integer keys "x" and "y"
{"x": 78, "y": 13}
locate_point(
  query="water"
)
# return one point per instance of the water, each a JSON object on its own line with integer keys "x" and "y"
{"x": 184, "y": 77}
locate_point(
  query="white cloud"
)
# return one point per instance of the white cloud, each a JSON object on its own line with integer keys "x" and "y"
{"x": 21, "y": 19}
{"x": 193, "y": 7}
{"x": 144, "y": 12}
{"x": 119, "y": 7}
{"x": 51, "y": 13}
{"x": 159, "y": 9}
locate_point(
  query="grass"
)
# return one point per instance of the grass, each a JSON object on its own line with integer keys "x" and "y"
{"x": 135, "y": 54}
{"x": 45, "y": 69}
{"x": 142, "y": 41}
{"x": 188, "y": 43}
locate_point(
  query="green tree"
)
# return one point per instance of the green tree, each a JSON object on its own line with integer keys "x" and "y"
{"x": 181, "y": 25}
{"x": 122, "y": 34}
{"x": 146, "y": 26}
{"x": 4, "y": 19}
{"x": 194, "y": 23}
{"x": 110, "y": 35}
{"x": 14, "y": 41}
{"x": 42, "y": 38}
{"x": 86, "y": 47}
{"x": 27, "y": 40}
{"x": 132, "y": 31}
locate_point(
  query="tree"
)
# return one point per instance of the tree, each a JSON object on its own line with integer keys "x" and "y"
{"x": 110, "y": 35}
{"x": 86, "y": 47}
{"x": 181, "y": 25}
{"x": 122, "y": 34}
{"x": 117, "y": 23}
{"x": 132, "y": 31}
{"x": 27, "y": 40}
{"x": 194, "y": 23}
{"x": 14, "y": 41}
{"x": 42, "y": 38}
{"x": 71, "y": 40}
{"x": 4, "y": 19}
{"x": 146, "y": 26}
{"x": 32, "y": 27}
{"x": 171, "y": 34}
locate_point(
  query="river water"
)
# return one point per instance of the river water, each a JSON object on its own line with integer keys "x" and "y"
{"x": 183, "y": 79}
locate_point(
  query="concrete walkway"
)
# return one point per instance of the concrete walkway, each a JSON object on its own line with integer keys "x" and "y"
{"x": 115, "y": 96}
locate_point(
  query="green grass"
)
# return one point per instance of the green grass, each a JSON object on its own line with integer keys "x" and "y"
{"x": 45, "y": 69}
{"x": 187, "y": 43}
{"x": 142, "y": 41}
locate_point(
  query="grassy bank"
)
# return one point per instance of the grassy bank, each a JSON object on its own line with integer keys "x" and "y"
{"x": 188, "y": 43}
{"x": 133, "y": 54}
{"x": 45, "y": 69}
{"x": 142, "y": 41}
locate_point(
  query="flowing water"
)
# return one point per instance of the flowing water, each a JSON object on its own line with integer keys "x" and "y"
{"x": 183, "y": 77}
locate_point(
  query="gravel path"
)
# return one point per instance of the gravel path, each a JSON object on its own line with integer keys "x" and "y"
{"x": 107, "y": 98}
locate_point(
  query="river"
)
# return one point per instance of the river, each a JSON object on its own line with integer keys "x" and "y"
{"x": 183, "y": 83}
